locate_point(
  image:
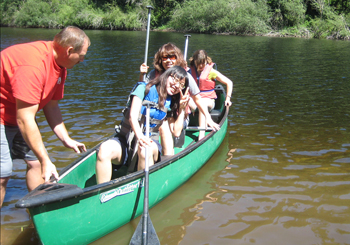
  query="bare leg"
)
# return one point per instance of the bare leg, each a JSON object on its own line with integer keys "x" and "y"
{"x": 3, "y": 184}
{"x": 109, "y": 150}
{"x": 153, "y": 156}
{"x": 34, "y": 177}
{"x": 208, "y": 105}
{"x": 166, "y": 139}
{"x": 202, "y": 121}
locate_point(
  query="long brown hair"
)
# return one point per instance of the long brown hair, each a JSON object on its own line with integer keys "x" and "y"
{"x": 168, "y": 49}
{"x": 200, "y": 57}
{"x": 161, "y": 85}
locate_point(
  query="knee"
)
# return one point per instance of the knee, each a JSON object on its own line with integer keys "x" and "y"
{"x": 152, "y": 152}
{"x": 3, "y": 182}
{"x": 34, "y": 164}
{"x": 141, "y": 152}
{"x": 104, "y": 152}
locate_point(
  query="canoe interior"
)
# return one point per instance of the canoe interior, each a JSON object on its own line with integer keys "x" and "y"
{"x": 84, "y": 175}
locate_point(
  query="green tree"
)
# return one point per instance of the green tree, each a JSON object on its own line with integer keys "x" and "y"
{"x": 233, "y": 16}
{"x": 287, "y": 13}
{"x": 328, "y": 23}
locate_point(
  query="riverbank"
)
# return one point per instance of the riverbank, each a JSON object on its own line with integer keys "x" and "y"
{"x": 302, "y": 18}
{"x": 303, "y": 33}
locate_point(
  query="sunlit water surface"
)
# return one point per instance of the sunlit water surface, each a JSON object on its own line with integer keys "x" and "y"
{"x": 282, "y": 174}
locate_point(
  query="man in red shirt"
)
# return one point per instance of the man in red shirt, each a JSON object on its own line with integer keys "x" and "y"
{"x": 32, "y": 78}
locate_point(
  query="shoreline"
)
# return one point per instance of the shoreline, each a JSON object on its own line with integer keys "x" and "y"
{"x": 308, "y": 34}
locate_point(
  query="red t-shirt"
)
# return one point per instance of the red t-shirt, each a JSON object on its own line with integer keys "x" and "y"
{"x": 29, "y": 73}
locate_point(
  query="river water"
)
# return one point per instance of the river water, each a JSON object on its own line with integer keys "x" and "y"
{"x": 282, "y": 174}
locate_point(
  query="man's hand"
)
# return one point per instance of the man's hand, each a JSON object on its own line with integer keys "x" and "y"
{"x": 75, "y": 145}
{"x": 47, "y": 170}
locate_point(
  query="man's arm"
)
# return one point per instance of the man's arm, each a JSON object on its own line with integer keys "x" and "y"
{"x": 31, "y": 134}
{"x": 54, "y": 118}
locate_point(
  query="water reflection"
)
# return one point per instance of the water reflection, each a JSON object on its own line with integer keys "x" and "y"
{"x": 282, "y": 174}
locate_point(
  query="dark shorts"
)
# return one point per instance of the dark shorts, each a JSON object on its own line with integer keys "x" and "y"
{"x": 159, "y": 149}
{"x": 123, "y": 144}
{"x": 125, "y": 154}
{"x": 155, "y": 139}
{"x": 13, "y": 146}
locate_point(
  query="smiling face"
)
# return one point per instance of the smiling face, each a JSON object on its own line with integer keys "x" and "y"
{"x": 168, "y": 61}
{"x": 174, "y": 85}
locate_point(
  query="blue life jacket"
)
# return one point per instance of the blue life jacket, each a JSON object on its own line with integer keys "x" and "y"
{"x": 157, "y": 114}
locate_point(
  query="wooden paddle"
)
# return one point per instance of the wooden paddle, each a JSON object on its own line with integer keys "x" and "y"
{"x": 145, "y": 232}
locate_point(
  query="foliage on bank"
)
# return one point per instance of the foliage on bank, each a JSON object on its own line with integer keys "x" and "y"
{"x": 301, "y": 18}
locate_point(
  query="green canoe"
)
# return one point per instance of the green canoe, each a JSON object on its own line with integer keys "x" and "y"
{"x": 76, "y": 210}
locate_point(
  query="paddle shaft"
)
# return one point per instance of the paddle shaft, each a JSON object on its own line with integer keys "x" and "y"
{"x": 186, "y": 46}
{"x": 198, "y": 129}
{"x": 145, "y": 232}
{"x": 147, "y": 37}
{"x": 146, "y": 188}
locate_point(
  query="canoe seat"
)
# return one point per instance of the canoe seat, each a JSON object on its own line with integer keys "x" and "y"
{"x": 215, "y": 115}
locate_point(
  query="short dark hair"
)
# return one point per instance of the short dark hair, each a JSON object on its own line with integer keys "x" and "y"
{"x": 71, "y": 36}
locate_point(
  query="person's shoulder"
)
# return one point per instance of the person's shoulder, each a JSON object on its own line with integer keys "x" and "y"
{"x": 191, "y": 80}
{"x": 41, "y": 46}
{"x": 139, "y": 88}
{"x": 30, "y": 47}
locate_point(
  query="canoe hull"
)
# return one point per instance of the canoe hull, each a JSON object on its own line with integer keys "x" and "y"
{"x": 83, "y": 219}
{"x": 77, "y": 211}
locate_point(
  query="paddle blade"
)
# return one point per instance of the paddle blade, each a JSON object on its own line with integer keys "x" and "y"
{"x": 152, "y": 238}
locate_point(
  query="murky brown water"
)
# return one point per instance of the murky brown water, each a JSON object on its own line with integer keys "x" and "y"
{"x": 282, "y": 174}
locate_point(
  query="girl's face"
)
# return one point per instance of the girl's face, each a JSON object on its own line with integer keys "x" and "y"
{"x": 174, "y": 85}
{"x": 168, "y": 61}
{"x": 200, "y": 67}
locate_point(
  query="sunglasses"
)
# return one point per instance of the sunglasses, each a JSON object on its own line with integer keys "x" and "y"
{"x": 171, "y": 57}
{"x": 177, "y": 81}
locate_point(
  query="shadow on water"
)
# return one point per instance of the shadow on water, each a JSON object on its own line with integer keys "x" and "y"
{"x": 283, "y": 174}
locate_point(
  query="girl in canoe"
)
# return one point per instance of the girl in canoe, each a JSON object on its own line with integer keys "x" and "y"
{"x": 168, "y": 94}
{"x": 168, "y": 56}
{"x": 205, "y": 76}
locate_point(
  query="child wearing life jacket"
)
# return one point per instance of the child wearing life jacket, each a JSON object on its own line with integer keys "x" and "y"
{"x": 167, "y": 56}
{"x": 168, "y": 96}
{"x": 206, "y": 76}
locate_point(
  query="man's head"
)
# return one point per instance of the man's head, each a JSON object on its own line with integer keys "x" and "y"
{"x": 70, "y": 46}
